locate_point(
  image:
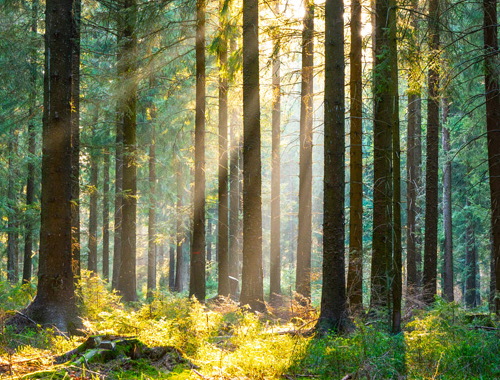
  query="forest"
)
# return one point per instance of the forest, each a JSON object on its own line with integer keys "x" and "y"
{"x": 245, "y": 189}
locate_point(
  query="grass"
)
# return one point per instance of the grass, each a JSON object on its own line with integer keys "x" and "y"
{"x": 223, "y": 341}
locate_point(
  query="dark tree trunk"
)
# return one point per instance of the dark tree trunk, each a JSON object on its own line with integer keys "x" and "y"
{"x": 447, "y": 217}
{"x": 252, "y": 292}
{"x": 397, "y": 260}
{"x": 275, "y": 259}
{"x": 432, "y": 162}
{"x": 303, "y": 274}
{"x": 180, "y": 233}
{"x": 117, "y": 236}
{"x": 94, "y": 175}
{"x": 126, "y": 284}
{"x": 493, "y": 130}
{"x": 54, "y": 303}
{"x": 105, "y": 216}
{"x": 382, "y": 160}
{"x": 152, "y": 246}
{"x": 30, "y": 182}
{"x": 223, "y": 225}
{"x": 355, "y": 272}
{"x": 75, "y": 138}
{"x": 333, "y": 314}
{"x": 12, "y": 234}
{"x": 414, "y": 157}
{"x": 470, "y": 261}
{"x": 197, "y": 268}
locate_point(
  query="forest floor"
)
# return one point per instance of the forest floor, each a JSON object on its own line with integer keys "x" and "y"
{"x": 174, "y": 338}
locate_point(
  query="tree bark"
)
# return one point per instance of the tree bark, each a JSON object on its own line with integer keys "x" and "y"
{"x": 152, "y": 246}
{"x": 252, "y": 292}
{"x": 447, "y": 217}
{"x": 126, "y": 284}
{"x": 223, "y": 225}
{"x": 432, "y": 162}
{"x": 197, "y": 272}
{"x": 75, "y": 138}
{"x": 355, "y": 271}
{"x": 171, "y": 267}
{"x": 493, "y": 130}
{"x": 117, "y": 236}
{"x": 470, "y": 261}
{"x": 179, "y": 277}
{"x": 234, "y": 207}
{"x": 275, "y": 259}
{"x": 303, "y": 269}
{"x": 105, "y": 216}
{"x": 333, "y": 314}
{"x": 54, "y": 303}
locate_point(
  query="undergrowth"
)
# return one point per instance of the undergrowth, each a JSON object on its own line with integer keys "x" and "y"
{"x": 224, "y": 341}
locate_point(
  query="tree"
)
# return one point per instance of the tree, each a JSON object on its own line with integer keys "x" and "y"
{"x": 252, "y": 292}
{"x": 432, "y": 162}
{"x": 30, "y": 181}
{"x": 223, "y": 222}
{"x": 117, "y": 237}
{"x": 303, "y": 274}
{"x": 126, "y": 283}
{"x": 12, "y": 235}
{"x": 197, "y": 269}
{"x": 75, "y": 137}
{"x": 355, "y": 272}
{"x": 493, "y": 130}
{"x": 54, "y": 303}
{"x": 179, "y": 262}
{"x": 94, "y": 175}
{"x": 447, "y": 217}
{"x": 275, "y": 270}
{"x": 333, "y": 314}
{"x": 152, "y": 246}
{"x": 470, "y": 260}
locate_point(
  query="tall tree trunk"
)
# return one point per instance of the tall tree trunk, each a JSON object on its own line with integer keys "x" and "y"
{"x": 252, "y": 292}
{"x": 234, "y": 207}
{"x": 105, "y": 216}
{"x": 30, "y": 181}
{"x": 75, "y": 138}
{"x": 303, "y": 270}
{"x": 275, "y": 259}
{"x": 126, "y": 284}
{"x": 382, "y": 158}
{"x": 447, "y": 220}
{"x": 12, "y": 234}
{"x": 152, "y": 246}
{"x": 197, "y": 273}
{"x": 432, "y": 162}
{"x": 333, "y": 314}
{"x": 94, "y": 175}
{"x": 117, "y": 236}
{"x": 223, "y": 225}
{"x": 470, "y": 261}
{"x": 493, "y": 130}
{"x": 54, "y": 303}
{"x": 397, "y": 261}
{"x": 355, "y": 272}
{"x": 180, "y": 234}
{"x": 171, "y": 267}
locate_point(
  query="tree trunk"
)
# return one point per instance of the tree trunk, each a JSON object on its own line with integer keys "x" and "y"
{"x": 234, "y": 207}
{"x": 94, "y": 175}
{"x": 117, "y": 237}
{"x": 223, "y": 225}
{"x": 252, "y": 292}
{"x": 152, "y": 246}
{"x": 333, "y": 314}
{"x": 105, "y": 216}
{"x": 432, "y": 162}
{"x": 126, "y": 284}
{"x": 275, "y": 259}
{"x": 493, "y": 130}
{"x": 75, "y": 138}
{"x": 303, "y": 270}
{"x": 197, "y": 272}
{"x": 447, "y": 217}
{"x": 171, "y": 267}
{"x": 355, "y": 272}
{"x": 382, "y": 158}
{"x": 491, "y": 299}
{"x": 470, "y": 261}
{"x": 54, "y": 303}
